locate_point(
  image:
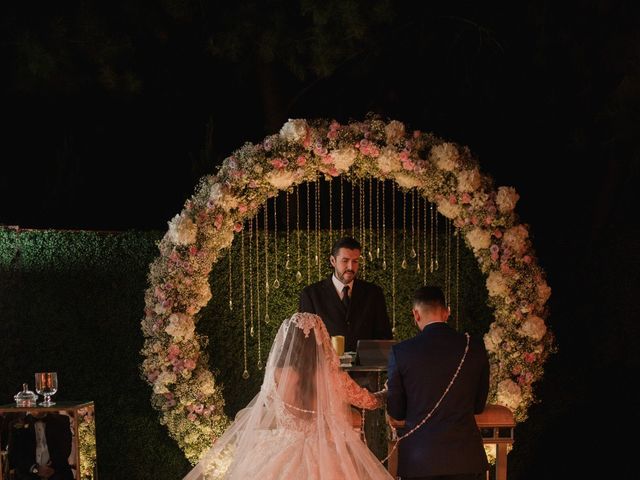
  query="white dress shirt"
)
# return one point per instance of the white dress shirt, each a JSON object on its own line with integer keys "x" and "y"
{"x": 339, "y": 286}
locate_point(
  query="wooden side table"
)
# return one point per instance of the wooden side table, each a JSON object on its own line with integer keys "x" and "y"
{"x": 82, "y": 423}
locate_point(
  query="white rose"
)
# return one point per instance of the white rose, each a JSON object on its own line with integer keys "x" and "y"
{"x": 509, "y": 394}
{"x": 496, "y": 284}
{"x": 506, "y": 199}
{"x": 343, "y": 158}
{"x": 544, "y": 292}
{"x": 515, "y": 238}
{"x": 165, "y": 378}
{"x": 407, "y": 181}
{"x": 216, "y": 193}
{"x": 445, "y": 156}
{"x": 295, "y": 130}
{"x": 181, "y": 327}
{"x": 533, "y": 327}
{"x": 448, "y": 209}
{"x": 469, "y": 180}
{"x": 182, "y": 230}
{"x": 493, "y": 338}
{"x": 281, "y": 179}
{"x": 394, "y": 131}
{"x": 388, "y": 161}
{"x": 479, "y": 238}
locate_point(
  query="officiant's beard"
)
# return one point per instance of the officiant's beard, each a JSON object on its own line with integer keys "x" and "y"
{"x": 340, "y": 276}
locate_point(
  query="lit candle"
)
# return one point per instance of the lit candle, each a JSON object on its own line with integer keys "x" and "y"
{"x": 338, "y": 344}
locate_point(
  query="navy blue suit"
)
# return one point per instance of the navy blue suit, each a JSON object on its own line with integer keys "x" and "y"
{"x": 419, "y": 371}
{"x": 366, "y": 318}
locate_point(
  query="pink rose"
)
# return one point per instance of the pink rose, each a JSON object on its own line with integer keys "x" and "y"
{"x": 301, "y": 160}
{"x": 237, "y": 227}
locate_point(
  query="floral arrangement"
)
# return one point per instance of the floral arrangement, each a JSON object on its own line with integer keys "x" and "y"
{"x": 184, "y": 390}
{"x": 87, "y": 442}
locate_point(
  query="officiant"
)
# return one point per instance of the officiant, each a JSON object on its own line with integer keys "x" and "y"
{"x": 350, "y": 307}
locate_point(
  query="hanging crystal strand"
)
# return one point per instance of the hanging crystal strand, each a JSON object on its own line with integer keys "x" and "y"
{"x": 245, "y": 374}
{"x": 331, "y": 211}
{"x": 251, "y": 277}
{"x": 287, "y": 264}
{"x": 449, "y": 262}
{"x": 308, "y": 185}
{"x": 393, "y": 256}
{"x": 416, "y": 202}
{"x": 298, "y": 273}
{"x": 230, "y": 287}
{"x": 276, "y": 282}
{"x": 384, "y": 231}
{"x": 259, "y": 364}
{"x": 318, "y": 224}
{"x": 378, "y": 188}
{"x": 431, "y": 221}
{"x": 404, "y": 231}
{"x": 266, "y": 261}
{"x": 341, "y": 207}
{"x": 257, "y": 270}
{"x": 414, "y": 193}
{"x": 447, "y": 279}
{"x": 437, "y": 240}
{"x": 370, "y": 219}
{"x": 362, "y": 224}
{"x": 353, "y": 209}
{"x": 424, "y": 226}
{"x": 457, "y": 235}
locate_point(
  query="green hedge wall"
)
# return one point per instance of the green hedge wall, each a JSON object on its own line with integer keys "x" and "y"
{"x": 72, "y": 301}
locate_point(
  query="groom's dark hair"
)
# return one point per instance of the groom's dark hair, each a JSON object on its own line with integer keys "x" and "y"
{"x": 349, "y": 243}
{"x": 429, "y": 296}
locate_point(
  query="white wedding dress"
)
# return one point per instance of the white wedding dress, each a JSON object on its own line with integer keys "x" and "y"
{"x": 298, "y": 427}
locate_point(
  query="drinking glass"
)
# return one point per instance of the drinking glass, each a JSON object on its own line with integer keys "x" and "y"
{"x": 47, "y": 385}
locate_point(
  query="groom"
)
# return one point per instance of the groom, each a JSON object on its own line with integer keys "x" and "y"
{"x": 421, "y": 369}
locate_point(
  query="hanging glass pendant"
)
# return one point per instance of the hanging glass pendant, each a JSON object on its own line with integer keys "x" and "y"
{"x": 378, "y": 252}
{"x": 316, "y": 259}
{"x": 384, "y": 264}
{"x": 418, "y": 267}
{"x": 251, "y": 331}
{"x": 431, "y": 266}
{"x": 245, "y": 374}
{"x": 370, "y": 256}
{"x": 266, "y": 318}
{"x": 287, "y": 265}
{"x": 413, "y": 253}
{"x": 298, "y": 276}
{"x": 437, "y": 264}
{"x": 259, "y": 365}
{"x": 276, "y": 283}
{"x": 404, "y": 264}
{"x": 230, "y": 304}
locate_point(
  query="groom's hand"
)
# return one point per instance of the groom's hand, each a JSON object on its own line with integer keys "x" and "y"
{"x": 394, "y": 423}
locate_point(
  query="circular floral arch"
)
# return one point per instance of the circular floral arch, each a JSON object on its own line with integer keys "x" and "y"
{"x": 175, "y": 364}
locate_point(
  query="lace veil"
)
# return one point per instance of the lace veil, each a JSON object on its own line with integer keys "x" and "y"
{"x": 299, "y": 424}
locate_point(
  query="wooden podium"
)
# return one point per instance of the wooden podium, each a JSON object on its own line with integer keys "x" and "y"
{"x": 82, "y": 423}
{"x": 496, "y": 425}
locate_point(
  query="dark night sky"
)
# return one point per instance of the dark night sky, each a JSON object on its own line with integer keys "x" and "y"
{"x": 111, "y": 114}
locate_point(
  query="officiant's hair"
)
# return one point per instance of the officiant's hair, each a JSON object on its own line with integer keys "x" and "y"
{"x": 429, "y": 297}
{"x": 349, "y": 243}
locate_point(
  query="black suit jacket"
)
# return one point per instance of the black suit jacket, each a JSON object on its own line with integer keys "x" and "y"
{"x": 22, "y": 446}
{"x": 366, "y": 318}
{"x": 419, "y": 371}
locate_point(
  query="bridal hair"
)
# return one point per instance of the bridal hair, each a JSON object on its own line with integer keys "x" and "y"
{"x": 299, "y": 352}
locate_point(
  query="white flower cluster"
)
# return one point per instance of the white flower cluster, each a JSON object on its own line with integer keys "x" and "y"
{"x": 506, "y": 199}
{"x": 182, "y": 230}
{"x": 445, "y": 156}
{"x": 479, "y": 238}
{"x": 343, "y": 158}
{"x": 295, "y": 130}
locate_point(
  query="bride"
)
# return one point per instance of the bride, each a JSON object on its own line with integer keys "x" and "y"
{"x": 299, "y": 425}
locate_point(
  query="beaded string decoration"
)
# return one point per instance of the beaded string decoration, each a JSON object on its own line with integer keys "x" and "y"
{"x": 428, "y": 416}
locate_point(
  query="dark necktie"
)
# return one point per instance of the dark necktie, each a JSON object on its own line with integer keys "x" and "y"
{"x": 345, "y": 296}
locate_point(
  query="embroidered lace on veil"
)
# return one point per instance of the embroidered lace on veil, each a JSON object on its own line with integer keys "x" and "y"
{"x": 299, "y": 425}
